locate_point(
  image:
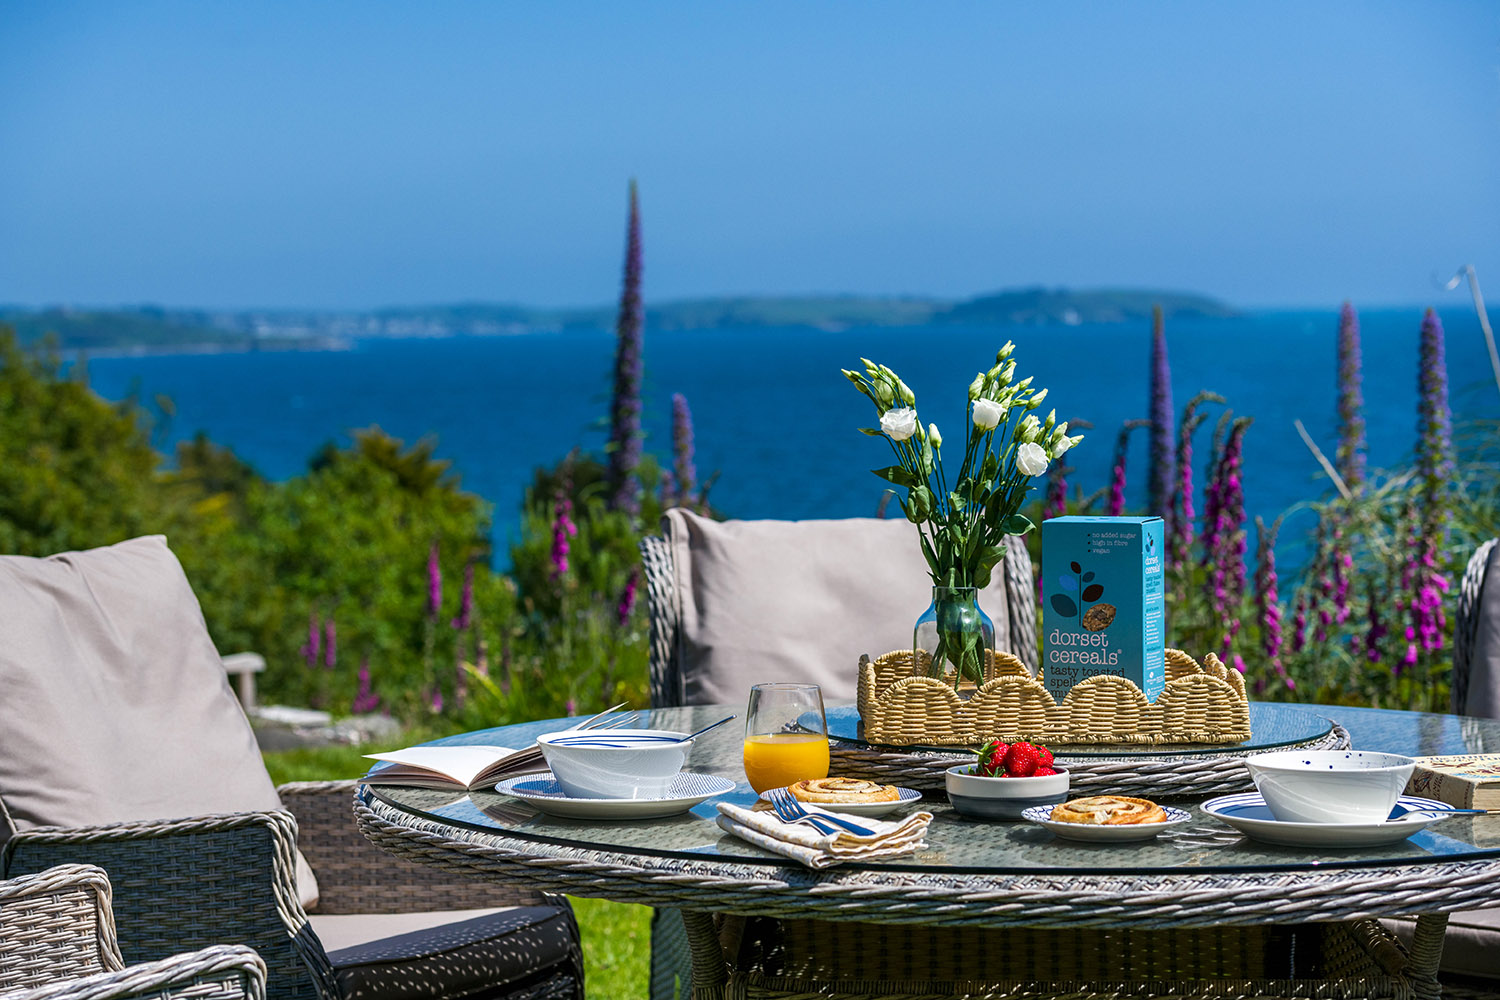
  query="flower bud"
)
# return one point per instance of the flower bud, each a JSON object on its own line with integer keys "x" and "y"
{"x": 1036, "y": 401}
{"x": 883, "y": 394}
{"x": 907, "y": 396}
{"x": 1005, "y": 351}
{"x": 1029, "y": 430}
{"x": 976, "y": 387}
{"x": 934, "y": 436}
{"x": 1049, "y": 423}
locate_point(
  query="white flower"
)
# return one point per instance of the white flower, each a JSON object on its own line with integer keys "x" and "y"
{"x": 1031, "y": 459}
{"x": 900, "y": 423}
{"x": 988, "y": 414}
{"x": 934, "y": 436}
{"x": 1030, "y": 429}
{"x": 1060, "y": 444}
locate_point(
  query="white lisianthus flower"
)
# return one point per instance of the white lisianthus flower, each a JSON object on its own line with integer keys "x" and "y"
{"x": 934, "y": 436}
{"x": 900, "y": 423}
{"x": 1060, "y": 445}
{"x": 1031, "y": 459}
{"x": 988, "y": 414}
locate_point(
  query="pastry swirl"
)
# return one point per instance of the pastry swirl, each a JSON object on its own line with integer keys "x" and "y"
{"x": 1109, "y": 810}
{"x": 843, "y": 790}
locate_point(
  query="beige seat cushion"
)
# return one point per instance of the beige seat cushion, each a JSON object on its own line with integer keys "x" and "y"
{"x": 797, "y": 600}
{"x": 116, "y": 706}
{"x": 1472, "y": 945}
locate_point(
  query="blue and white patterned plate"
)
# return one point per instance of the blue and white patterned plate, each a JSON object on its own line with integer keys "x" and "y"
{"x": 1104, "y": 833}
{"x": 1248, "y": 813}
{"x": 904, "y": 796}
{"x": 543, "y": 792}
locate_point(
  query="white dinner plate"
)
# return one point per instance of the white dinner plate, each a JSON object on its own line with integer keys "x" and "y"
{"x": 904, "y": 796}
{"x": 1104, "y": 833}
{"x": 1248, "y": 813}
{"x": 543, "y": 792}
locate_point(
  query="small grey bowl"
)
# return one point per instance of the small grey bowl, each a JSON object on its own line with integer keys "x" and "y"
{"x": 1002, "y": 798}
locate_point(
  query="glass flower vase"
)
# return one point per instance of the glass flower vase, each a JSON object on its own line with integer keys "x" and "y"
{"x": 950, "y": 638}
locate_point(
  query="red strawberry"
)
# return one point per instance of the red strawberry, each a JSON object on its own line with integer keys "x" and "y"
{"x": 1041, "y": 771}
{"x": 1043, "y": 758}
{"x": 991, "y": 758}
{"x": 1021, "y": 760}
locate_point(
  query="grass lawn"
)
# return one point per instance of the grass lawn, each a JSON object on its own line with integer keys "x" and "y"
{"x": 616, "y": 936}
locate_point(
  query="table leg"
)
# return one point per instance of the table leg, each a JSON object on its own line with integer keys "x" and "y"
{"x": 710, "y": 974}
{"x": 1424, "y": 954}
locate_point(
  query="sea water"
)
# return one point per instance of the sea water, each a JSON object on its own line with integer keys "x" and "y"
{"x": 777, "y": 422}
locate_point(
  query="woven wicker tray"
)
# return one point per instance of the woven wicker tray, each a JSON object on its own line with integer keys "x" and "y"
{"x": 1200, "y": 704}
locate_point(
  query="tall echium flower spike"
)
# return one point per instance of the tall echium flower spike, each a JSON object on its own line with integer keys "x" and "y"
{"x": 563, "y": 528}
{"x": 330, "y": 644}
{"x": 1375, "y": 627}
{"x": 682, "y": 448}
{"x": 1434, "y": 423}
{"x": 1350, "y": 457}
{"x": 312, "y": 649}
{"x": 366, "y": 700}
{"x": 627, "y": 598}
{"x": 1159, "y": 492}
{"x": 1180, "y": 537}
{"x": 1227, "y": 559}
{"x": 1117, "y": 477}
{"x": 1212, "y": 501}
{"x": 466, "y": 600}
{"x": 625, "y": 407}
{"x": 434, "y": 584}
{"x": 1267, "y": 602}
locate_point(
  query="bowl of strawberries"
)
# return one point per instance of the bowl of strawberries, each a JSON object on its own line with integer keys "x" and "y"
{"x": 1007, "y": 779}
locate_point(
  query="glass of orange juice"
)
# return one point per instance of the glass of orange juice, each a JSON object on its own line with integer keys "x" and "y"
{"x": 786, "y": 735}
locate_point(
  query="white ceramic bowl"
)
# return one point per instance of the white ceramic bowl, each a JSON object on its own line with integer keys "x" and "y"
{"x": 1330, "y": 786}
{"x": 1002, "y": 798}
{"x": 615, "y": 763}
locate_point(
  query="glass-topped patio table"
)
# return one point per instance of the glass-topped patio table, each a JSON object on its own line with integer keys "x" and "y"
{"x": 983, "y": 874}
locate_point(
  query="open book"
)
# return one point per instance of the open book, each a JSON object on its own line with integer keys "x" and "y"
{"x": 455, "y": 766}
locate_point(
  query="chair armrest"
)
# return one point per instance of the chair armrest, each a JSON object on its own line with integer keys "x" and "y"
{"x": 222, "y": 972}
{"x": 668, "y": 689}
{"x": 355, "y": 876}
{"x": 191, "y": 883}
{"x": 56, "y": 924}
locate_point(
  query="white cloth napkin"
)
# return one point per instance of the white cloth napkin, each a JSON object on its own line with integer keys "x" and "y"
{"x": 803, "y": 843}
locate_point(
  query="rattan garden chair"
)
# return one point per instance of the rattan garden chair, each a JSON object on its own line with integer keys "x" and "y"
{"x": 820, "y": 589}
{"x": 118, "y": 711}
{"x": 1476, "y": 636}
{"x": 57, "y": 942}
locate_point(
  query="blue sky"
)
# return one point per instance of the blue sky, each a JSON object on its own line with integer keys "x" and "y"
{"x": 343, "y": 155}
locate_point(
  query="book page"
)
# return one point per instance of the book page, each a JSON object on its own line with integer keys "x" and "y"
{"x": 439, "y": 766}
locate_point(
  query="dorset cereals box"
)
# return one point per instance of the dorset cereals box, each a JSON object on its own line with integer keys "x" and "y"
{"x": 1103, "y": 610}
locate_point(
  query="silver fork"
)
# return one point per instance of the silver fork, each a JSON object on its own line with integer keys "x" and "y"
{"x": 791, "y": 811}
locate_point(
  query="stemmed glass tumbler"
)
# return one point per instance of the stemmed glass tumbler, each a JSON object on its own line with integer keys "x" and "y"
{"x": 786, "y": 735}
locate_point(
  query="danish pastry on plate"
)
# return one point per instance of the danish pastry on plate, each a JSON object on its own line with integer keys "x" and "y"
{"x": 1109, "y": 810}
{"x": 834, "y": 790}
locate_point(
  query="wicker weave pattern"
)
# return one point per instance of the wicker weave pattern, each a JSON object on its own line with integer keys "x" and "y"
{"x": 223, "y": 972}
{"x": 182, "y": 884}
{"x": 354, "y": 876}
{"x": 1200, "y": 704}
{"x": 1466, "y": 622}
{"x": 54, "y": 925}
{"x": 1176, "y": 899}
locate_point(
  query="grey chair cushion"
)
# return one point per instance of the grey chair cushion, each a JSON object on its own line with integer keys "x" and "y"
{"x": 1472, "y": 945}
{"x": 116, "y": 705}
{"x": 481, "y": 956}
{"x": 1484, "y": 655}
{"x": 797, "y": 600}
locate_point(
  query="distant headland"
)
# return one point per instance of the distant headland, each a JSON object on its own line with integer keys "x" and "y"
{"x": 153, "y": 329}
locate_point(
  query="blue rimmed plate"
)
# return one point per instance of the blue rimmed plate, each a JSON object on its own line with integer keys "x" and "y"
{"x": 1248, "y": 813}
{"x": 543, "y": 792}
{"x": 1105, "y": 833}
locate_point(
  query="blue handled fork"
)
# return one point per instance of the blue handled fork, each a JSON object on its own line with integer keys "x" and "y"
{"x": 791, "y": 811}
